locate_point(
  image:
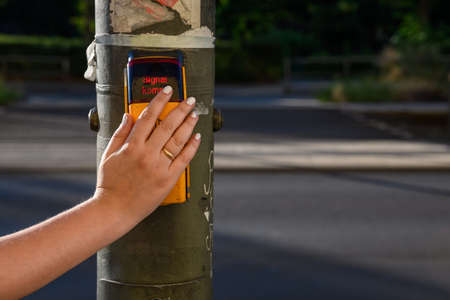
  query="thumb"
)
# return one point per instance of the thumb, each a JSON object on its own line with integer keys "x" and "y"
{"x": 120, "y": 135}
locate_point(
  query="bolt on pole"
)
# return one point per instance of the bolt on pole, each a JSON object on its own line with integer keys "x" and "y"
{"x": 169, "y": 254}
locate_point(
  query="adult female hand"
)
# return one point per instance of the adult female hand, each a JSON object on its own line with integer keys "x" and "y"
{"x": 134, "y": 173}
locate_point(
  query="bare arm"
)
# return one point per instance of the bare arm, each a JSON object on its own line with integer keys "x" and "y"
{"x": 133, "y": 179}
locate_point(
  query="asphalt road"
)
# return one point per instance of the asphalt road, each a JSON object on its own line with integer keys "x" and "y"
{"x": 296, "y": 235}
{"x": 294, "y": 124}
{"x": 242, "y": 122}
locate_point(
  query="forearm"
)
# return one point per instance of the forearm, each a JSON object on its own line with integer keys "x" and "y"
{"x": 33, "y": 257}
{"x": 134, "y": 177}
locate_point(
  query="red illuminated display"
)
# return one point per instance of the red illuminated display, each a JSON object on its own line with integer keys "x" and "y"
{"x": 154, "y": 80}
{"x": 147, "y": 91}
{"x": 150, "y": 76}
{"x": 152, "y": 85}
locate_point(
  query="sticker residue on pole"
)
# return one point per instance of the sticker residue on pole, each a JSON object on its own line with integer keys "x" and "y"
{"x": 189, "y": 11}
{"x": 130, "y": 15}
{"x": 195, "y": 38}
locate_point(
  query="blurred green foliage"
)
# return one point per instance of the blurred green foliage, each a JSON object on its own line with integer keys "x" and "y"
{"x": 48, "y": 28}
{"x": 48, "y": 17}
{"x": 365, "y": 90}
{"x": 375, "y": 90}
{"x": 253, "y": 36}
{"x": 84, "y": 19}
{"x": 259, "y": 33}
{"x": 7, "y": 95}
{"x": 57, "y": 43}
{"x": 71, "y": 47}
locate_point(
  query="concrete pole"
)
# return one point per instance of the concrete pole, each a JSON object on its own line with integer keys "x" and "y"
{"x": 168, "y": 255}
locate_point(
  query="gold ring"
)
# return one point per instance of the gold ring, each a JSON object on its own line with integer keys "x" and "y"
{"x": 168, "y": 154}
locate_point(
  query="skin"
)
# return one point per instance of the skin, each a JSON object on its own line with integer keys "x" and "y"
{"x": 134, "y": 177}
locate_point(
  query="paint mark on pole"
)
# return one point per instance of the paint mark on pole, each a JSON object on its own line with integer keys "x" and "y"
{"x": 206, "y": 213}
{"x": 168, "y": 3}
{"x": 206, "y": 189}
{"x": 208, "y": 243}
{"x": 130, "y": 15}
{"x": 155, "y": 11}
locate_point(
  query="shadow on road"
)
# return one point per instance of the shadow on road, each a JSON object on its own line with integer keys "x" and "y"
{"x": 295, "y": 124}
{"x": 250, "y": 270}
{"x": 390, "y": 183}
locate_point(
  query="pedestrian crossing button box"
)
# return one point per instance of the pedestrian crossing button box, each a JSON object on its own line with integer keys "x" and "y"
{"x": 146, "y": 74}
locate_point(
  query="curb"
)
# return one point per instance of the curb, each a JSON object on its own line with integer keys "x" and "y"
{"x": 256, "y": 157}
{"x": 395, "y": 109}
{"x": 282, "y": 169}
{"x": 286, "y": 102}
{"x": 249, "y": 169}
{"x": 45, "y": 170}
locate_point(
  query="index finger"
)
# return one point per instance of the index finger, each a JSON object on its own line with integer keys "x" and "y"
{"x": 147, "y": 119}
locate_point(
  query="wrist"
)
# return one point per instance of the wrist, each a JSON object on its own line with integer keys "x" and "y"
{"x": 115, "y": 210}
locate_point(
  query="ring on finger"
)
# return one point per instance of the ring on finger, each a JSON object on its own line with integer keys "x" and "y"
{"x": 169, "y": 154}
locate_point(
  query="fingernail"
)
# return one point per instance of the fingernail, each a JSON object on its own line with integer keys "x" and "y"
{"x": 124, "y": 119}
{"x": 198, "y": 136}
{"x": 190, "y": 100}
{"x": 167, "y": 89}
{"x": 194, "y": 114}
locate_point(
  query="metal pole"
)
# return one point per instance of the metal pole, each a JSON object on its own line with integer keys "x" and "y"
{"x": 169, "y": 254}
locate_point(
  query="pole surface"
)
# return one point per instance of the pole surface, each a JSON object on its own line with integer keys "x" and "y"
{"x": 169, "y": 254}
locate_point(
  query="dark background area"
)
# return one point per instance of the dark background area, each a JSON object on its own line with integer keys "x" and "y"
{"x": 248, "y": 32}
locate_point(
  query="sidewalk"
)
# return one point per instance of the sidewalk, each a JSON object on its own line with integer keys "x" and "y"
{"x": 340, "y": 155}
{"x": 35, "y": 137}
